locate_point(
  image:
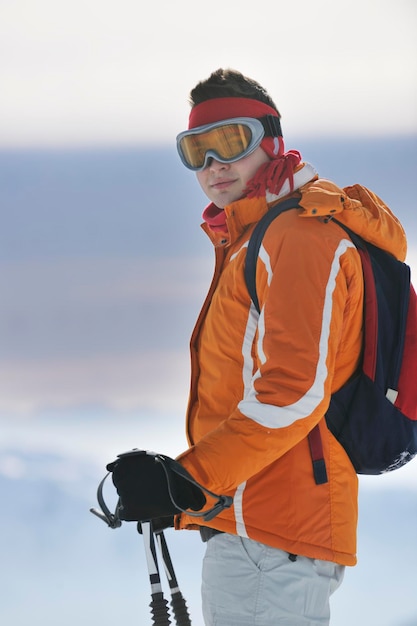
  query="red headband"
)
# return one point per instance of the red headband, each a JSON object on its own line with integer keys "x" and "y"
{"x": 219, "y": 109}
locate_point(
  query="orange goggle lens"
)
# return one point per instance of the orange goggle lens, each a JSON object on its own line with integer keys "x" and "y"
{"x": 226, "y": 141}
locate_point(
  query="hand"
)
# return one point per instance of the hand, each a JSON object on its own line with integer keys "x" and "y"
{"x": 150, "y": 490}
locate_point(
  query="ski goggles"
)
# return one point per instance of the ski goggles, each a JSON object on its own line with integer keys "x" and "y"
{"x": 226, "y": 141}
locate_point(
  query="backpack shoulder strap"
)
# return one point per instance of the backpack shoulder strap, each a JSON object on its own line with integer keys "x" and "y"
{"x": 255, "y": 243}
{"x": 314, "y": 437}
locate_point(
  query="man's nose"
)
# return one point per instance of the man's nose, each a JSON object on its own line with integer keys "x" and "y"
{"x": 214, "y": 165}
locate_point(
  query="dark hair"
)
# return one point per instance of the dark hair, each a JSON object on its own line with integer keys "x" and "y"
{"x": 226, "y": 83}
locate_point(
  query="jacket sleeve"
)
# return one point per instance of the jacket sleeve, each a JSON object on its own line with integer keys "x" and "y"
{"x": 308, "y": 285}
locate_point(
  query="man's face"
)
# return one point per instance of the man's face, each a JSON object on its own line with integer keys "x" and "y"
{"x": 224, "y": 183}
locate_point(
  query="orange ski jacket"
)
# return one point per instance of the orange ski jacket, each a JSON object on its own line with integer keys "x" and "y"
{"x": 260, "y": 383}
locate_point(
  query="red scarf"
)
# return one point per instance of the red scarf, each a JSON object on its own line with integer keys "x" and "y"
{"x": 215, "y": 218}
{"x": 272, "y": 175}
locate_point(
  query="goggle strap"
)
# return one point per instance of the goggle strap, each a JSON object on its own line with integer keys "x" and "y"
{"x": 272, "y": 125}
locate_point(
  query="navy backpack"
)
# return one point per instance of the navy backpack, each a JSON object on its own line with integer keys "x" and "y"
{"x": 374, "y": 415}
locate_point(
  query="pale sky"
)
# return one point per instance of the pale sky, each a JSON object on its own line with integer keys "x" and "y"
{"x": 99, "y": 72}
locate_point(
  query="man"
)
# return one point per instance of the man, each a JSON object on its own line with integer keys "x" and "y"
{"x": 261, "y": 382}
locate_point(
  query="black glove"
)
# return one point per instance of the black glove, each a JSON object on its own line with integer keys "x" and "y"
{"x": 149, "y": 488}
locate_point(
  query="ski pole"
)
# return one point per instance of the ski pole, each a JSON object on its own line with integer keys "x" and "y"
{"x": 179, "y": 606}
{"x": 159, "y": 606}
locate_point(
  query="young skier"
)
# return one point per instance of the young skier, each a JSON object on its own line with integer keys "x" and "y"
{"x": 261, "y": 383}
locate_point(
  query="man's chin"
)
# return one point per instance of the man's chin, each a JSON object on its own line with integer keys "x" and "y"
{"x": 221, "y": 200}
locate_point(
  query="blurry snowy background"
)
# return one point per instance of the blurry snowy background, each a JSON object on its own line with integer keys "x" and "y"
{"x": 103, "y": 268}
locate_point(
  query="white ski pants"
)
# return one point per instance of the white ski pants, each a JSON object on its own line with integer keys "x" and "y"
{"x": 246, "y": 583}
